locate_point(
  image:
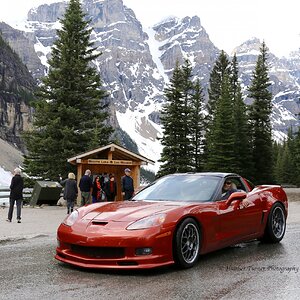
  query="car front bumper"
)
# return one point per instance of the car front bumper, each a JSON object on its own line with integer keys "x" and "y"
{"x": 114, "y": 248}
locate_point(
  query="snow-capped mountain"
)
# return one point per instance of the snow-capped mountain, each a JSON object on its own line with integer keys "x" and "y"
{"x": 137, "y": 62}
{"x": 284, "y": 84}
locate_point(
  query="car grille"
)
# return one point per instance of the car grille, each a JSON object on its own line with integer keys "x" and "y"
{"x": 99, "y": 252}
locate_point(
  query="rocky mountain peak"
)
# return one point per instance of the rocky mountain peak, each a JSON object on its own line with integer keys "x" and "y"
{"x": 16, "y": 88}
{"x": 136, "y": 63}
{"x": 47, "y": 12}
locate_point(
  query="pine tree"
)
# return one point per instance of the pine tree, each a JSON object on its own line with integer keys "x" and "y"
{"x": 242, "y": 145}
{"x": 187, "y": 89}
{"x": 71, "y": 108}
{"x": 220, "y": 149}
{"x": 220, "y": 70}
{"x": 170, "y": 115}
{"x": 197, "y": 124}
{"x": 277, "y": 161}
{"x": 260, "y": 112}
{"x": 294, "y": 147}
{"x": 175, "y": 116}
{"x": 288, "y": 166}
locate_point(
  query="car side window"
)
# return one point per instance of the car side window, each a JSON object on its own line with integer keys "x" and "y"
{"x": 238, "y": 184}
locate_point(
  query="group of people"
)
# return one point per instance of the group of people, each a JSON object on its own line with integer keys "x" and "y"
{"x": 103, "y": 188}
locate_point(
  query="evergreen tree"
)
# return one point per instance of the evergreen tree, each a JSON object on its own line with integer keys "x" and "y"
{"x": 220, "y": 155}
{"x": 71, "y": 112}
{"x": 175, "y": 116}
{"x": 260, "y": 112}
{"x": 187, "y": 90}
{"x": 242, "y": 145}
{"x": 171, "y": 130}
{"x": 277, "y": 167}
{"x": 295, "y": 153}
{"x": 197, "y": 122}
{"x": 220, "y": 70}
{"x": 288, "y": 167}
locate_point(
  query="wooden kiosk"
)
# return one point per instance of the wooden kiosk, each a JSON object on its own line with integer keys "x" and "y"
{"x": 111, "y": 159}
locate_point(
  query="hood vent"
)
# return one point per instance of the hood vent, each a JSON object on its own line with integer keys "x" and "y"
{"x": 102, "y": 223}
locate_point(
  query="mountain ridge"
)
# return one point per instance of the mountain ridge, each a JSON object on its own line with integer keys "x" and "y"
{"x": 137, "y": 62}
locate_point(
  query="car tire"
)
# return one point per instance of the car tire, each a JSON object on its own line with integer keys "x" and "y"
{"x": 186, "y": 248}
{"x": 276, "y": 225}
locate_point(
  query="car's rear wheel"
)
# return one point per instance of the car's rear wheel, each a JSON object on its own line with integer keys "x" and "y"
{"x": 276, "y": 224}
{"x": 187, "y": 243}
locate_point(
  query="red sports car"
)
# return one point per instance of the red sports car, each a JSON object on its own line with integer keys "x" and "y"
{"x": 174, "y": 220}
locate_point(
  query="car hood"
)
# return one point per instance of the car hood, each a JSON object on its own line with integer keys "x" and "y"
{"x": 128, "y": 211}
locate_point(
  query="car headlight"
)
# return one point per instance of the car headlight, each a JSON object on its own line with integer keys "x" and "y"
{"x": 71, "y": 219}
{"x": 148, "y": 222}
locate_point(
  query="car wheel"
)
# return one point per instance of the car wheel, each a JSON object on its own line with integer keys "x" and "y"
{"x": 276, "y": 224}
{"x": 187, "y": 243}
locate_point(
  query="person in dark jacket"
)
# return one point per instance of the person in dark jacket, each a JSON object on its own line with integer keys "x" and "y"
{"x": 227, "y": 189}
{"x": 110, "y": 188}
{"x": 70, "y": 191}
{"x": 127, "y": 185}
{"x": 16, "y": 195}
{"x": 86, "y": 185}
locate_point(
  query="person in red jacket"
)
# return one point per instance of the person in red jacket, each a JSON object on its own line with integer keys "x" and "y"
{"x": 96, "y": 193}
{"x": 16, "y": 195}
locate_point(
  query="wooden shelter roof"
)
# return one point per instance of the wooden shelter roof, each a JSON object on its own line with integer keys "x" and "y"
{"x": 118, "y": 153}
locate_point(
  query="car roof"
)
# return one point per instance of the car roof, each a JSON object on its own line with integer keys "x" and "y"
{"x": 216, "y": 174}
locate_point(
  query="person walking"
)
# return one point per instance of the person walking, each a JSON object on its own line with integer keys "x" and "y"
{"x": 110, "y": 188}
{"x": 127, "y": 185}
{"x": 86, "y": 185}
{"x": 70, "y": 191}
{"x": 16, "y": 195}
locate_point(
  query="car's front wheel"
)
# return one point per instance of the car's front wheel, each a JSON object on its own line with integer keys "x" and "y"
{"x": 276, "y": 224}
{"x": 187, "y": 243}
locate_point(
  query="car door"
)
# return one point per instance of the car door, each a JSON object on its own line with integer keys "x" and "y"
{"x": 237, "y": 222}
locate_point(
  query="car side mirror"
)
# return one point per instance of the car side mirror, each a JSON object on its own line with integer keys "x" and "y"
{"x": 236, "y": 196}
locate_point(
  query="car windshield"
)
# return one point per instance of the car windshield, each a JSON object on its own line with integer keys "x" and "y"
{"x": 185, "y": 187}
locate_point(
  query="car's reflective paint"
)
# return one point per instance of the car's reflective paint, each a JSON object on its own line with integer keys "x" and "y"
{"x": 102, "y": 227}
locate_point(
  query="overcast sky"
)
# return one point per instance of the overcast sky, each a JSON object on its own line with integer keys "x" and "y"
{"x": 228, "y": 22}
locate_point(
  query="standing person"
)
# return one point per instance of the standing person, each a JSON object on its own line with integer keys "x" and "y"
{"x": 105, "y": 179}
{"x": 86, "y": 185}
{"x": 127, "y": 185}
{"x": 70, "y": 191}
{"x": 110, "y": 188}
{"x": 96, "y": 193}
{"x": 16, "y": 195}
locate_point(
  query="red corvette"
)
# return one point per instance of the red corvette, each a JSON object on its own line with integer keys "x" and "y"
{"x": 174, "y": 220}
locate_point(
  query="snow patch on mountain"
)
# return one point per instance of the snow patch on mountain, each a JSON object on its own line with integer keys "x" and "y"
{"x": 143, "y": 131}
{"x": 156, "y": 53}
{"x": 5, "y": 177}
